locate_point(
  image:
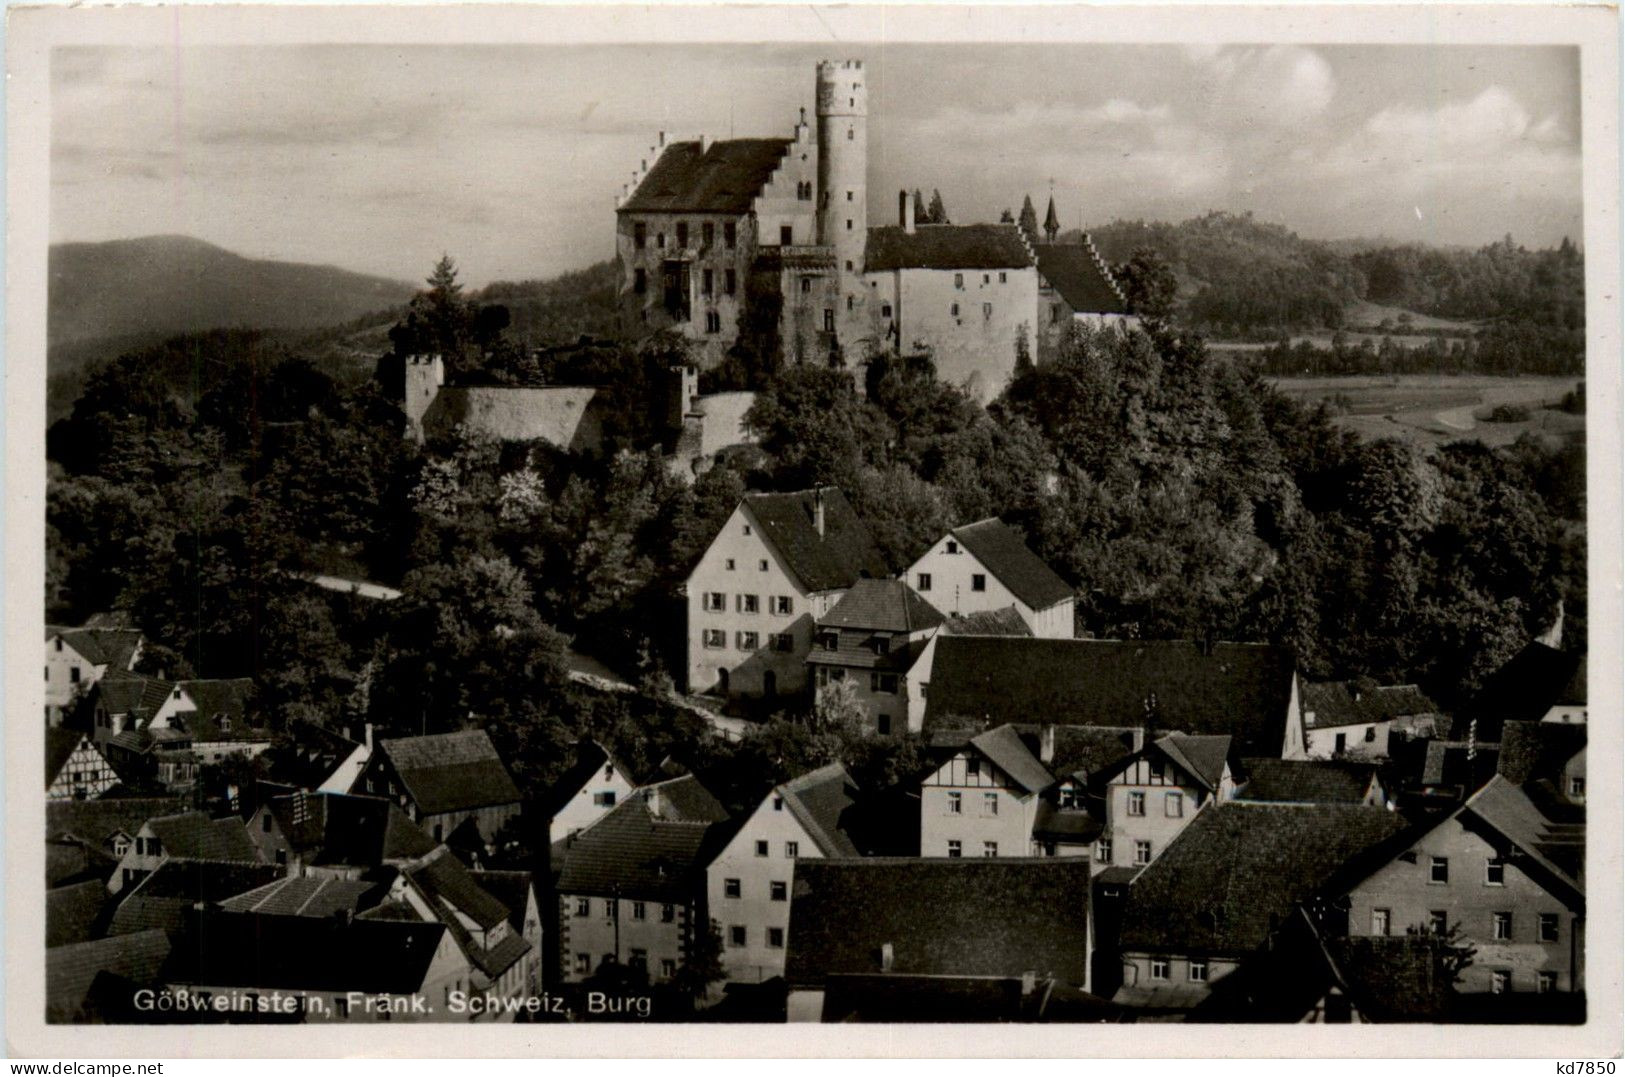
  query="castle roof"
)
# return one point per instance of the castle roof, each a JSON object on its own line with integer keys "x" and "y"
{"x": 724, "y": 177}
{"x": 947, "y": 246}
{"x": 1076, "y": 271}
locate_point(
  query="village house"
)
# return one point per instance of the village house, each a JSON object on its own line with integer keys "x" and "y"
{"x": 1245, "y": 690}
{"x": 984, "y": 567}
{"x": 76, "y": 658}
{"x": 75, "y": 768}
{"x": 595, "y": 783}
{"x": 1154, "y": 794}
{"x": 895, "y": 939}
{"x": 87, "y": 838}
{"x": 163, "y": 899}
{"x": 779, "y": 563}
{"x": 1507, "y": 874}
{"x": 1539, "y": 683}
{"x": 123, "y": 702}
{"x": 1214, "y": 898}
{"x": 318, "y": 759}
{"x": 631, "y": 887}
{"x": 1311, "y": 781}
{"x": 517, "y": 892}
{"x": 1350, "y": 720}
{"x": 983, "y": 801}
{"x": 445, "y": 781}
{"x": 188, "y": 836}
{"x": 1005, "y": 622}
{"x": 1072, "y": 812}
{"x": 1546, "y": 759}
{"x": 748, "y": 883}
{"x": 870, "y": 642}
{"x": 334, "y": 834}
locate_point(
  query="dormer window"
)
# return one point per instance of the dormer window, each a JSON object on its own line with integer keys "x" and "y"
{"x": 881, "y": 645}
{"x": 952, "y": 547}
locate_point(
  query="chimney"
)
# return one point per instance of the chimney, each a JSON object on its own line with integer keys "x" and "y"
{"x": 905, "y": 212}
{"x": 818, "y": 511}
{"x": 662, "y": 140}
{"x": 887, "y": 957}
{"x": 366, "y": 736}
{"x": 1046, "y": 744}
{"x": 705, "y": 142}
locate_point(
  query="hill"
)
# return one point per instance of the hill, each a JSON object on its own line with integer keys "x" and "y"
{"x": 161, "y": 286}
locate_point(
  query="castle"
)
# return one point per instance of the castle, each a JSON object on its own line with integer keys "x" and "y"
{"x": 765, "y": 244}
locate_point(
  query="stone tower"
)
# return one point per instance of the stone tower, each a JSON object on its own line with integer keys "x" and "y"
{"x": 425, "y": 374}
{"x": 843, "y": 170}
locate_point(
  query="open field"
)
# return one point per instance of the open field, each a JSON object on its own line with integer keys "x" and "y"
{"x": 1431, "y": 410}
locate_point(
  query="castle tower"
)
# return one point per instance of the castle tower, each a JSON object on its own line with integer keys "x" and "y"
{"x": 425, "y": 374}
{"x": 843, "y": 171}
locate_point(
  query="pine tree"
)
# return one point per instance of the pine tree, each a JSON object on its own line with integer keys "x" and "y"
{"x": 1029, "y": 219}
{"x": 920, "y": 214}
{"x": 939, "y": 214}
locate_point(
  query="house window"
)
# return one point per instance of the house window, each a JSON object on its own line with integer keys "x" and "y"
{"x": 604, "y": 800}
{"x": 990, "y": 803}
{"x": 1370, "y": 733}
{"x": 668, "y": 914}
{"x": 849, "y": 134}
{"x": 953, "y": 850}
{"x": 1341, "y": 744}
{"x": 660, "y": 240}
{"x": 1136, "y": 803}
{"x": 987, "y": 311}
{"x": 978, "y": 582}
{"x": 885, "y": 310}
{"x": 73, "y": 674}
{"x": 668, "y": 968}
{"x": 1577, "y": 786}
{"x": 775, "y": 938}
{"x": 1495, "y": 872}
{"x": 715, "y": 638}
{"x": 792, "y": 849}
{"x": 640, "y": 281}
{"x": 990, "y": 850}
{"x": 953, "y": 310}
{"x": 728, "y": 564}
{"x": 955, "y": 803}
{"x": 884, "y": 683}
{"x": 850, "y": 302}
{"x": 1380, "y": 919}
{"x": 640, "y": 911}
{"x": 639, "y": 958}
{"x": 986, "y": 279}
{"x": 729, "y": 235}
{"x": 1439, "y": 870}
{"x": 806, "y": 285}
{"x": 761, "y": 848}
{"x": 783, "y": 641}
{"x": 787, "y": 236}
{"x": 706, "y": 277}
{"x": 1545, "y": 983}
{"x": 1159, "y": 968}
{"x": 782, "y": 605}
{"x": 729, "y": 282}
{"x": 849, "y": 196}
{"x": 708, "y": 233}
{"x": 1438, "y": 922}
{"x": 713, "y": 322}
{"x": 736, "y": 935}
{"x": 1198, "y": 969}
{"x": 1501, "y": 926}
{"x": 265, "y": 823}
{"x": 1500, "y": 981}
{"x": 746, "y": 603}
{"x": 1103, "y": 851}
{"x": 761, "y": 566}
{"x": 730, "y": 888}
{"x": 1142, "y": 852}
{"x": 715, "y": 601}
{"x": 1173, "y": 805}
{"x": 611, "y": 910}
{"x": 883, "y": 725}
{"x": 922, "y": 581}
{"x": 640, "y": 235}
{"x": 1548, "y": 927}
{"x": 779, "y": 891}
{"x": 959, "y": 280}
{"x": 583, "y": 963}
{"x": 849, "y": 224}
{"x": 829, "y": 641}
{"x": 281, "y": 857}
{"x": 1071, "y": 797}
{"x": 682, "y": 233}
{"x": 1002, "y": 278}
{"x": 778, "y": 803}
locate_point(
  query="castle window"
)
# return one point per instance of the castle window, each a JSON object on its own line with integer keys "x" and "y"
{"x": 682, "y": 234}
{"x": 849, "y": 196}
{"x": 729, "y": 235}
{"x": 885, "y": 310}
{"x": 660, "y": 240}
{"x": 806, "y": 285}
{"x": 959, "y": 280}
{"x": 640, "y": 281}
{"x": 987, "y": 310}
{"x": 705, "y": 282}
{"x": 1002, "y": 278}
{"x": 954, "y": 310}
{"x": 640, "y": 235}
{"x": 708, "y": 234}
{"x": 787, "y": 235}
{"x": 728, "y": 282}
{"x": 829, "y": 320}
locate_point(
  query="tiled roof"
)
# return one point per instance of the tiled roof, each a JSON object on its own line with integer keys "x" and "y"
{"x": 1238, "y": 869}
{"x": 72, "y": 913}
{"x": 444, "y": 881}
{"x": 72, "y": 860}
{"x": 882, "y": 606}
{"x": 310, "y": 756}
{"x": 855, "y": 648}
{"x": 113, "y": 647}
{"x": 162, "y": 898}
{"x": 1005, "y": 622}
{"x": 947, "y": 246}
{"x": 1307, "y": 781}
{"x": 1004, "y": 746}
{"x": 839, "y": 557}
{"x": 1072, "y": 825}
{"x": 195, "y": 836}
{"x": 635, "y": 853}
{"x": 1242, "y": 689}
{"x": 60, "y": 744}
{"x": 682, "y": 799}
{"x": 309, "y": 895}
{"x": 591, "y": 757}
{"x": 1531, "y": 751}
{"x": 220, "y": 703}
{"x": 824, "y": 802}
{"x": 448, "y": 772}
{"x": 1000, "y": 550}
{"x": 513, "y": 888}
{"x": 1330, "y": 704}
{"x": 970, "y": 917}
{"x": 246, "y": 950}
{"x": 1202, "y": 757}
{"x": 1557, "y": 847}
{"x": 1523, "y": 690}
{"x": 1077, "y": 272}
{"x": 131, "y": 693}
{"x": 98, "y": 820}
{"x": 337, "y": 828}
{"x": 1460, "y": 763}
{"x": 72, "y": 971}
{"x": 724, "y": 177}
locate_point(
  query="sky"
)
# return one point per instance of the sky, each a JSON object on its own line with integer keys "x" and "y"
{"x": 380, "y": 158}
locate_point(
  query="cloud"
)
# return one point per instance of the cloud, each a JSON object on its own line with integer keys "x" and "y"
{"x": 1282, "y": 85}
{"x": 1495, "y": 118}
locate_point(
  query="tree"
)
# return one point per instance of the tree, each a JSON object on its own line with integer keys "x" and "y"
{"x": 815, "y": 427}
{"x": 702, "y": 967}
{"x": 921, "y": 214}
{"x": 1029, "y": 219}
{"x": 938, "y": 212}
{"x": 1149, "y": 284}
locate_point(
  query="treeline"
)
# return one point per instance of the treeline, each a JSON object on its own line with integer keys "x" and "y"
{"x": 1499, "y": 348}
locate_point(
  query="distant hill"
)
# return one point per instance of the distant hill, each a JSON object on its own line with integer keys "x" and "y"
{"x": 161, "y": 286}
{"x": 558, "y": 311}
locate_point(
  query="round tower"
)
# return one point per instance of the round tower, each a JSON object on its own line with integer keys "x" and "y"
{"x": 843, "y": 160}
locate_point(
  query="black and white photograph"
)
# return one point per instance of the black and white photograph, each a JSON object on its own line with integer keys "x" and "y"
{"x": 857, "y": 528}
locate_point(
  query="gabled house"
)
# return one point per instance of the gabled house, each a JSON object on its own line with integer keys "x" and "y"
{"x": 217, "y": 717}
{"x": 1311, "y": 781}
{"x": 1222, "y": 889}
{"x": 588, "y": 791}
{"x": 188, "y": 836}
{"x": 983, "y": 800}
{"x": 1506, "y": 873}
{"x": 318, "y": 759}
{"x": 517, "y": 892}
{"x": 76, "y": 658}
{"x": 87, "y": 838}
{"x": 1003, "y": 622}
{"x": 1351, "y": 720}
{"x": 779, "y": 563}
{"x": 1245, "y": 690}
{"x": 1539, "y": 683}
{"x": 748, "y": 883}
{"x": 933, "y": 940}
{"x": 1547, "y": 759}
{"x": 123, "y": 702}
{"x": 75, "y": 768}
{"x": 984, "y": 567}
{"x": 443, "y": 781}
{"x": 1153, "y": 795}
{"x": 334, "y": 834}
{"x": 871, "y": 641}
{"x": 1072, "y": 813}
{"x": 631, "y": 887}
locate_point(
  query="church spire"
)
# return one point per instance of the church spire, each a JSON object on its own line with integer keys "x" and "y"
{"x": 1052, "y": 223}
